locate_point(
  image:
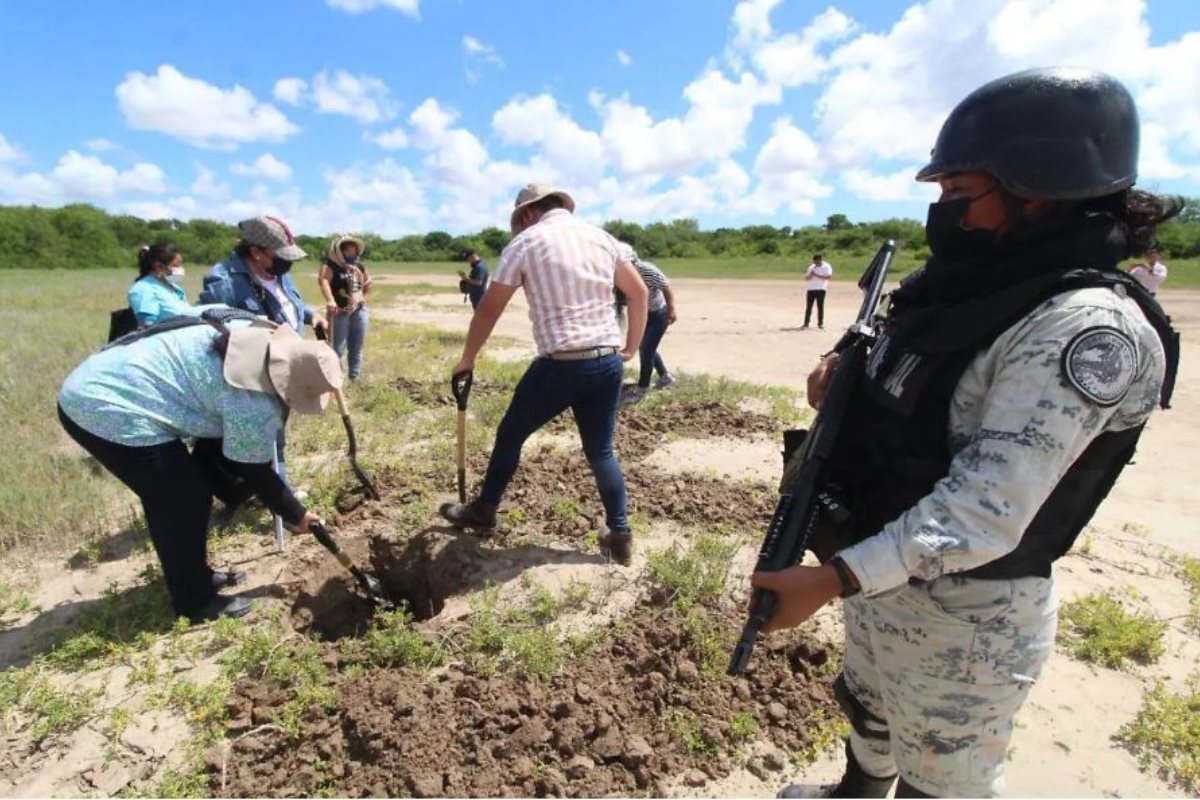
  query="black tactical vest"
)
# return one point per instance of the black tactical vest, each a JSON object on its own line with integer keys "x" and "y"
{"x": 894, "y": 447}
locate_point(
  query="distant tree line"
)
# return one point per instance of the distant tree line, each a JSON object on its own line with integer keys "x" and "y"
{"x": 83, "y": 236}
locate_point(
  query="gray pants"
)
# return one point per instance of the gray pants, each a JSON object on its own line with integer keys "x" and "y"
{"x": 943, "y": 667}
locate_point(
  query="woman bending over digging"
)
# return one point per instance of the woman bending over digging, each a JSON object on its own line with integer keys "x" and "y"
{"x": 131, "y": 405}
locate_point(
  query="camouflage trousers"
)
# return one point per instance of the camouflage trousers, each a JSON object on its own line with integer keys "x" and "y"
{"x": 941, "y": 668}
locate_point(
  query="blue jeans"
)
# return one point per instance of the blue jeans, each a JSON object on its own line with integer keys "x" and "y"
{"x": 351, "y": 329}
{"x": 656, "y": 328}
{"x": 591, "y": 389}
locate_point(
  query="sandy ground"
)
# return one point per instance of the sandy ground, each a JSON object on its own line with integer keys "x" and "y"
{"x": 750, "y": 330}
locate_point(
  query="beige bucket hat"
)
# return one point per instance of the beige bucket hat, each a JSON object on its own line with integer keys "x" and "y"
{"x": 534, "y": 192}
{"x": 279, "y": 362}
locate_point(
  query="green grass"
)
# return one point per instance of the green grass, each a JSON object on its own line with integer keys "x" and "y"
{"x": 695, "y": 576}
{"x": 1189, "y": 570}
{"x": 1165, "y": 734}
{"x": 1099, "y": 629}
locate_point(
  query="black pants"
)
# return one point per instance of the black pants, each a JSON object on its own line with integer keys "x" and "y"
{"x": 814, "y": 296}
{"x": 177, "y": 501}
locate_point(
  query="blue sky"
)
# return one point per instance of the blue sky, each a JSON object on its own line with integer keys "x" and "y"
{"x": 400, "y": 116}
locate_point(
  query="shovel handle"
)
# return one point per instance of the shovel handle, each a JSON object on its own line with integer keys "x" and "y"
{"x": 460, "y": 385}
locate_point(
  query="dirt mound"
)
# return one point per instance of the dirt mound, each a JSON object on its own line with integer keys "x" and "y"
{"x": 641, "y": 429}
{"x": 629, "y": 718}
{"x": 420, "y": 573}
{"x": 437, "y": 393}
{"x": 554, "y": 495}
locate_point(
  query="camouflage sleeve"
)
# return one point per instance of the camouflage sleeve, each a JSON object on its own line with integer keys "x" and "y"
{"x": 1080, "y": 364}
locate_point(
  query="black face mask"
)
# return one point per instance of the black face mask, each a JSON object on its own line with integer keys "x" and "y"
{"x": 948, "y": 239}
{"x": 279, "y": 267}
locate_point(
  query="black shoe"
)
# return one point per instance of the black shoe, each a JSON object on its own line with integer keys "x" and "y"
{"x": 618, "y": 546}
{"x": 221, "y": 606}
{"x": 470, "y": 515}
{"x": 223, "y": 579}
{"x": 854, "y": 783}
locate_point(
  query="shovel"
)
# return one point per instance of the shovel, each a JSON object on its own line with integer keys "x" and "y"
{"x": 371, "y": 586}
{"x": 460, "y": 384}
{"x": 359, "y": 472}
{"x": 363, "y": 478}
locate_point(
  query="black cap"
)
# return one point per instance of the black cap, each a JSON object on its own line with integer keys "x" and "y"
{"x": 1053, "y": 133}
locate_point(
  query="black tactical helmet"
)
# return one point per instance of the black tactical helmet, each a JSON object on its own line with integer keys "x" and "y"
{"x": 1053, "y": 134}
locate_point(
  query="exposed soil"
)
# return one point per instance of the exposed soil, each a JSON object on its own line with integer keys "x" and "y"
{"x": 616, "y": 722}
{"x": 641, "y": 430}
{"x": 420, "y": 574}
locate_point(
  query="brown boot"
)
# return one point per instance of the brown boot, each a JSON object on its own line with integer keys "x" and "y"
{"x": 474, "y": 514}
{"x": 617, "y": 545}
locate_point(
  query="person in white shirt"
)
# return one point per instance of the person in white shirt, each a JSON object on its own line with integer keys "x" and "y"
{"x": 1151, "y": 274}
{"x": 568, "y": 269}
{"x": 818, "y": 275}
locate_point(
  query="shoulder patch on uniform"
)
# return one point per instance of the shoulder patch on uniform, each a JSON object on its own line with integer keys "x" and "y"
{"x": 1100, "y": 363}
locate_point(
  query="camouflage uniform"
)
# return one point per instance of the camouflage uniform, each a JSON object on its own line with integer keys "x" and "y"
{"x": 942, "y": 661}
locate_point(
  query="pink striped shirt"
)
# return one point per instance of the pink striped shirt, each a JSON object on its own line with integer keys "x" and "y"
{"x": 566, "y": 267}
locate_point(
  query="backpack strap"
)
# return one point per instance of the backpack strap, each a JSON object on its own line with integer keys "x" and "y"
{"x": 218, "y": 318}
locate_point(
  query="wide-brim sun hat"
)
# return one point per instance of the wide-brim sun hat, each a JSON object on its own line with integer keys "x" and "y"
{"x": 535, "y": 192}
{"x": 335, "y": 247}
{"x": 301, "y": 373}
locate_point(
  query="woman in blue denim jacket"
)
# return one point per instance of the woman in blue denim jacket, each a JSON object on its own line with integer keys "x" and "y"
{"x": 255, "y": 277}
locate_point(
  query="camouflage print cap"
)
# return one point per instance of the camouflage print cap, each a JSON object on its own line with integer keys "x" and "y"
{"x": 271, "y": 234}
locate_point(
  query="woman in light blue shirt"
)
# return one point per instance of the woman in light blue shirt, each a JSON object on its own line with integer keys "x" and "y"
{"x": 156, "y": 294}
{"x": 132, "y": 405}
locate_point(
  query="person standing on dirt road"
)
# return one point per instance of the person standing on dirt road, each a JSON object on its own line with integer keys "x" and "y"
{"x": 1008, "y": 388}
{"x": 130, "y": 406}
{"x": 1152, "y": 274}
{"x": 475, "y": 282}
{"x": 568, "y": 269}
{"x": 345, "y": 283}
{"x": 255, "y": 278}
{"x": 660, "y": 315}
{"x": 817, "y": 282}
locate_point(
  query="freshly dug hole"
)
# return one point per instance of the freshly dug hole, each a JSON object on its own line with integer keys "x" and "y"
{"x": 418, "y": 574}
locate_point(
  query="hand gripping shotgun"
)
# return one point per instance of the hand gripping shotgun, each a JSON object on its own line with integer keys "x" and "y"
{"x": 804, "y": 474}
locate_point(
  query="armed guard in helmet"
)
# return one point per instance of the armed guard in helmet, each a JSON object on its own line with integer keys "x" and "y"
{"x": 1004, "y": 395}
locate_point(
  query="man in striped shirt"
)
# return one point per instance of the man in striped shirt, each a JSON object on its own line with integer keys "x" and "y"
{"x": 568, "y": 269}
{"x": 660, "y": 315}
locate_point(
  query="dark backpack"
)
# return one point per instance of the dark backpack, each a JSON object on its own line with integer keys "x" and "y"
{"x": 216, "y": 317}
{"x": 121, "y": 322}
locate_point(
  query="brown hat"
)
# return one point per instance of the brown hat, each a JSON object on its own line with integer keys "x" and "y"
{"x": 534, "y": 192}
{"x": 271, "y": 233}
{"x": 278, "y": 361}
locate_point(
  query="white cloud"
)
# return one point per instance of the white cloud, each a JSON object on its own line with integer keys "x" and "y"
{"x": 100, "y": 145}
{"x": 206, "y": 184}
{"x": 788, "y": 150}
{"x": 197, "y": 112}
{"x": 792, "y": 60}
{"x": 476, "y": 53}
{"x": 290, "y": 90}
{"x": 713, "y": 127}
{"x": 894, "y": 186}
{"x": 624, "y": 58}
{"x": 266, "y": 166}
{"x": 8, "y": 150}
{"x": 143, "y": 177}
{"x": 752, "y": 21}
{"x": 576, "y": 153}
{"x": 410, "y": 7}
{"x": 885, "y": 94}
{"x": 77, "y": 177}
{"x": 363, "y": 97}
{"x": 395, "y": 139}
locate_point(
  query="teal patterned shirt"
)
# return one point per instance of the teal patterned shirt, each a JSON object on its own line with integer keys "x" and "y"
{"x": 167, "y": 387}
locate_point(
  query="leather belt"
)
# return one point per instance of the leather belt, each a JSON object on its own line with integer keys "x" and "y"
{"x": 582, "y": 355}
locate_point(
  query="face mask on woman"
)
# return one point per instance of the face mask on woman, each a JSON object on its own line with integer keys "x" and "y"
{"x": 175, "y": 275}
{"x": 279, "y": 267}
